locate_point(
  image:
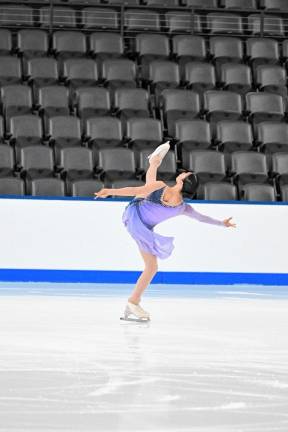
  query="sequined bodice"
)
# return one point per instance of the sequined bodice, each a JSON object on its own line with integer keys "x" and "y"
{"x": 157, "y": 198}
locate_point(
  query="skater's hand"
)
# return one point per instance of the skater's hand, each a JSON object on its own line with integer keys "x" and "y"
{"x": 228, "y": 224}
{"x": 155, "y": 161}
{"x": 103, "y": 193}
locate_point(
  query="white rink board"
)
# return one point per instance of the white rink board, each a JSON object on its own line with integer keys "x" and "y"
{"x": 89, "y": 235}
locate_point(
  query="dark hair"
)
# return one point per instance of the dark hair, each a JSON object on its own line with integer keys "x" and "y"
{"x": 190, "y": 184}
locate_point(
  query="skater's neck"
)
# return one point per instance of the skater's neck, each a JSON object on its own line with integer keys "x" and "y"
{"x": 174, "y": 193}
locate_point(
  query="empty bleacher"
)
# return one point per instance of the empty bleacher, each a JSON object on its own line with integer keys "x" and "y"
{"x": 89, "y": 88}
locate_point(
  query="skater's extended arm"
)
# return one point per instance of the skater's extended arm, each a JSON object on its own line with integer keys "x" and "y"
{"x": 130, "y": 191}
{"x": 191, "y": 212}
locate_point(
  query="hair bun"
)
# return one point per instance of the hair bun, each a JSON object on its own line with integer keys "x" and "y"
{"x": 190, "y": 185}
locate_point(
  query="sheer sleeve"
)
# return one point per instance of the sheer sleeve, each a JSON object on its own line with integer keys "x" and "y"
{"x": 191, "y": 212}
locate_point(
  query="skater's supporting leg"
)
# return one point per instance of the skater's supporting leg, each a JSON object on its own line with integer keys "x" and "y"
{"x": 151, "y": 173}
{"x": 145, "y": 278}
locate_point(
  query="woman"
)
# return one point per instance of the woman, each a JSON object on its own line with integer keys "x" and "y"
{"x": 153, "y": 203}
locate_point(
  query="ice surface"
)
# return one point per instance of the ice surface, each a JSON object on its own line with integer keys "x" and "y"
{"x": 212, "y": 359}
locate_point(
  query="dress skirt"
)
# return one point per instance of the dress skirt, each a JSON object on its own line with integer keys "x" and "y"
{"x": 146, "y": 239}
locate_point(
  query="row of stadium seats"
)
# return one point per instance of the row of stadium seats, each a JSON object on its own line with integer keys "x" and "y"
{"x": 85, "y": 69}
{"x": 217, "y": 191}
{"x": 146, "y": 133}
{"x": 121, "y": 166}
{"x": 159, "y": 74}
{"x": 270, "y": 5}
{"x": 143, "y": 20}
{"x": 68, "y": 44}
{"x": 174, "y": 104}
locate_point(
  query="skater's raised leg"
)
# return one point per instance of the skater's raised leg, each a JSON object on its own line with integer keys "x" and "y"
{"x": 155, "y": 160}
{"x": 151, "y": 173}
{"x": 151, "y": 268}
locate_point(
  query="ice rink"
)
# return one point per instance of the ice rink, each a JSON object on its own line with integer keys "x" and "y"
{"x": 212, "y": 359}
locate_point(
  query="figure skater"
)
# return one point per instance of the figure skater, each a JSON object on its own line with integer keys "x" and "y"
{"x": 153, "y": 203}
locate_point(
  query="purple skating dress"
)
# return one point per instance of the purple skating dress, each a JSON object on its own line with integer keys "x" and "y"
{"x": 143, "y": 214}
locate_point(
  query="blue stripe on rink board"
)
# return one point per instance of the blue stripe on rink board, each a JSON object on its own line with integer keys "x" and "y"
{"x": 107, "y": 276}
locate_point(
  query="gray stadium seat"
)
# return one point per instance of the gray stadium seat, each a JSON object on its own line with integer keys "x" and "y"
{"x": 262, "y": 51}
{"x": 167, "y": 169}
{"x": 265, "y": 106}
{"x": 42, "y": 71}
{"x": 36, "y": 161}
{"x": 61, "y": 17}
{"x": 93, "y": 18}
{"x": 104, "y": 132}
{"x": 116, "y": 164}
{"x": 5, "y": 42}
{"x": 144, "y": 132}
{"x": 233, "y": 136}
{"x": 222, "y": 105}
{"x": 75, "y": 163}
{"x": 280, "y": 5}
{"x": 69, "y": 44}
{"x": 239, "y": 4}
{"x": 124, "y": 183}
{"x": 26, "y": 130}
{"x": 86, "y": 188}
{"x": 200, "y": 76}
{"x": 258, "y": 192}
{"x": 280, "y": 167}
{"x": 141, "y": 20}
{"x": 272, "y": 78}
{"x": 10, "y": 70}
{"x": 151, "y": 47}
{"x": 273, "y": 137}
{"x": 209, "y": 165}
{"x": 188, "y": 48}
{"x": 226, "y": 49}
{"x": 92, "y": 102}
{"x": 191, "y": 135}
{"x": 201, "y": 4}
{"x": 220, "y": 191}
{"x": 131, "y": 102}
{"x": 162, "y": 75}
{"x": 32, "y": 43}
{"x": 53, "y": 101}
{"x": 236, "y": 77}
{"x": 284, "y": 193}
{"x": 2, "y": 131}
{"x": 64, "y": 131}
{"x": 224, "y": 23}
{"x": 119, "y": 73}
{"x": 273, "y": 25}
{"x": 105, "y": 45}
{"x": 16, "y": 100}
{"x": 182, "y": 22}
{"x": 249, "y": 167}
{"x": 7, "y": 160}
{"x": 12, "y": 186}
{"x": 16, "y": 15}
{"x": 162, "y": 3}
{"x": 80, "y": 72}
{"x": 285, "y": 50}
{"x": 124, "y": 2}
{"x": 179, "y": 104}
{"x": 46, "y": 187}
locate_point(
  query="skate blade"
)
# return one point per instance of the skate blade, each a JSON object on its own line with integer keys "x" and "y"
{"x": 141, "y": 320}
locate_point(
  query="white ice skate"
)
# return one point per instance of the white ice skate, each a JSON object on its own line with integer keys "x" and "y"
{"x": 161, "y": 150}
{"x": 132, "y": 309}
